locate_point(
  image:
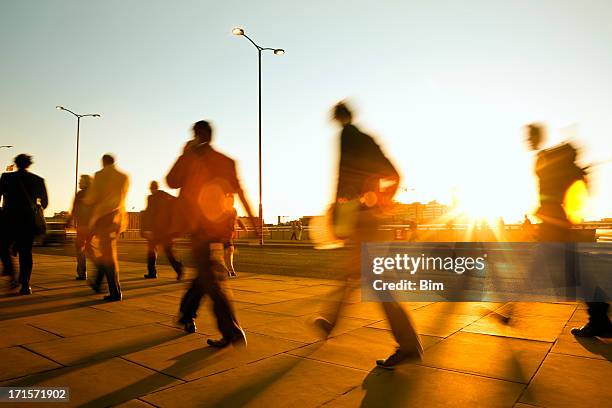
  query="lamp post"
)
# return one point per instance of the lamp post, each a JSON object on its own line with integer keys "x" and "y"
{"x": 277, "y": 51}
{"x": 78, "y": 116}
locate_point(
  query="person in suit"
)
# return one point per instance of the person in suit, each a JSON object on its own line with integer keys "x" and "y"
{"x": 556, "y": 171}
{"x": 207, "y": 179}
{"x": 79, "y": 217}
{"x": 362, "y": 167}
{"x": 160, "y": 206}
{"x": 21, "y": 193}
{"x": 107, "y": 198}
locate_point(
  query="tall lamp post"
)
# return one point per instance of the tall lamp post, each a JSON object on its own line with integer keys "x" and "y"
{"x": 277, "y": 51}
{"x": 78, "y": 116}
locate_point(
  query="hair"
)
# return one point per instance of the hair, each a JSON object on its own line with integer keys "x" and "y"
{"x": 154, "y": 185}
{"x": 108, "y": 159}
{"x": 203, "y": 131}
{"x": 341, "y": 110}
{"x": 23, "y": 161}
{"x": 86, "y": 178}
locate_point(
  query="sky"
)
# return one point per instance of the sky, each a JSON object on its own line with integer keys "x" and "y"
{"x": 444, "y": 86}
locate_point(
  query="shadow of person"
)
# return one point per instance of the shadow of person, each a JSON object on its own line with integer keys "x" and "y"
{"x": 385, "y": 388}
{"x": 597, "y": 346}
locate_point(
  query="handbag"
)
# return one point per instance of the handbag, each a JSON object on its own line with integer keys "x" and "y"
{"x": 40, "y": 224}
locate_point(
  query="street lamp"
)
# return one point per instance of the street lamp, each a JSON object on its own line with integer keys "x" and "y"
{"x": 277, "y": 51}
{"x": 78, "y": 116}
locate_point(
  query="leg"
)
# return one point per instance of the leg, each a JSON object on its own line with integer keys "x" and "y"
{"x": 175, "y": 263}
{"x": 24, "y": 247}
{"x": 209, "y": 282}
{"x": 229, "y": 260}
{"x": 151, "y": 259}
{"x": 79, "y": 244}
{"x": 110, "y": 264}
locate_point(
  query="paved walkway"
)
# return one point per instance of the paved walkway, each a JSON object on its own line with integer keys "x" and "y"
{"x": 130, "y": 354}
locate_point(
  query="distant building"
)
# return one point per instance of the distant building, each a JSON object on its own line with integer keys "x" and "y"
{"x": 420, "y": 213}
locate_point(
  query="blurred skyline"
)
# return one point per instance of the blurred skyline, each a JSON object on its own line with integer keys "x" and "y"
{"x": 444, "y": 86}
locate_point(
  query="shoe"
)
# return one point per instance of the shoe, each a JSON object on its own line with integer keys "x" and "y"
{"x": 189, "y": 326}
{"x": 25, "y": 290}
{"x": 94, "y": 287}
{"x": 179, "y": 274}
{"x": 80, "y": 278}
{"x": 398, "y": 357}
{"x": 113, "y": 298}
{"x": 590, "y": 330}
{"x": 232, "y": 274}
{"x": 324, "y": 325}
{"x": 147, "y": 276}
{"x": 238, "y": 340}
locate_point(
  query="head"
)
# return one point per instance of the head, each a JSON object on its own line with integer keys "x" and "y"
{"x": 84, "y": 182}
{"x": 202, "y": 131}
{"x": 23, "y": 161}
{"x": 342, "y": 114}
{"x": 153, "y": 186}
{"x": 535, "y": 135}
{"x": 107, "y": 160}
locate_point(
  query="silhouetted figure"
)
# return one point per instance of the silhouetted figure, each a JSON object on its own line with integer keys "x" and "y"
{"x": 206, "y": 179}
{"x": 362, "y": 167}
{"x": 157, "y": 218}
{"x": 228, "y": 244}
{"x": 80, "y": 217}
{"x": 21, "y": 192}
{"x": 556, "y": 170}
{"x": 294, "y": 231}
{"x": 107, "y": 197}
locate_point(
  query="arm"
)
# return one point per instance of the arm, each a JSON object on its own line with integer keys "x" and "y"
{"x": 44, "y": 198}
{"x": 176, "y": 176}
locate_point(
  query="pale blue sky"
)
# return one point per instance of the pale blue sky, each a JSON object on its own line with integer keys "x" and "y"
{"x": 445, "y": 86}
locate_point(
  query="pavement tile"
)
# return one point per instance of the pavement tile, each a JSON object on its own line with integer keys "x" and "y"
{"x": 266, "y": 298}
{"x": 20, "y": 333}
{"x": 557, "y": 311}
{"x": 600, "y": 348}
{"x": 463, "y": 308}
{"x": 135, "y": 403}
{"x": 412, "y": 385}
{"x": 96, "y": 346}
{"x": 76, "y": 322}
{"x": 101, "y": 384}
{"x": 491, "y": 356}
{"x": 373, "y": 310}
{"x": 569, "y": 381}
{"x": 359, "y": 348}
{"x": 280, "y": 381}
{"x": 434, "y": 323}
{"x": 297, "y": 307}
{"x": 193, "y": 358}
{"x": 17, "y": 362}
{"x": 262, "y": 285}
{"x": 303, "y": 329}
{"x": 530, "y": 328}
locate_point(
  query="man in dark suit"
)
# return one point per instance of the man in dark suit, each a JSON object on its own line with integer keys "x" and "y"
{"x": 21, "y": 192}
{"x": 157, "y": 216}
{"x": 363, "y": 166}
{"x": 207, "y": 180}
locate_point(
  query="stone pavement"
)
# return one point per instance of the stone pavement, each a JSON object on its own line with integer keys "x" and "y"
{"x": 130, "y": 354}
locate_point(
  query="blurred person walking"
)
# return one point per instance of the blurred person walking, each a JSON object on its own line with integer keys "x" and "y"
{"x": 360, "y": 202}
{"x": 156, "y": 229}
{"x": 207, "y": 179}
{"x": 228, "y": 244}
{"x": 107, "y": 198}
{"x": 557, "y": 171}
{"x": 80, "y": 217}
{"x": 24, "y": 196}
